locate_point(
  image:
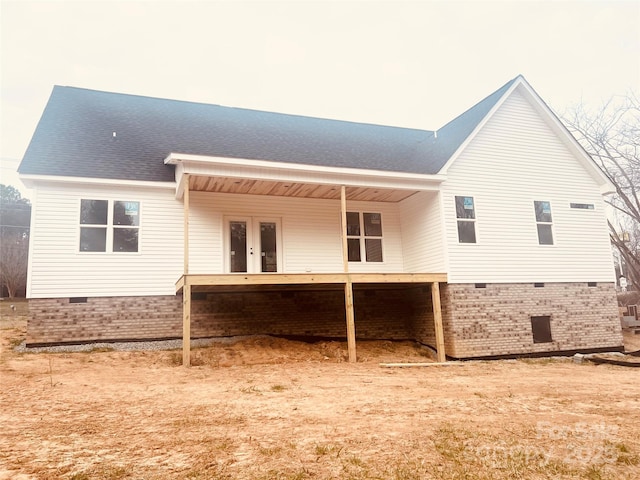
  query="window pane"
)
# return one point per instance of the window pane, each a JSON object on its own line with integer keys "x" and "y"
{"x": 373, "y": 247}
{"x": 126, "y": 213}
{"x": 465, "y": 207}
{"x": 543, "y": 211}
{"x": 238, "y": 251}
{"x": 545, "y": 235}
{"x": 353, "y": 249}
{"x": 372, "y": 224}
{"x": 353, "y": 223}
{"x": 466, "y": 232}
{"x": 125, "y": 239}
{"x": 93, "y": 212}
{"x": 268, "y": 253}
{"x": 93, "y": 239}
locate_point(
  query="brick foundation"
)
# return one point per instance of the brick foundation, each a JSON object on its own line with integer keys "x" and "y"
{"x": 478, "y": 322}
{"x": 380, "y": 314}
{"x": 496, "y": 320}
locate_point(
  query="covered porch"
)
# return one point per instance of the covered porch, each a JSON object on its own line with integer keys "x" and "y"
{"x": 269, "y": 179}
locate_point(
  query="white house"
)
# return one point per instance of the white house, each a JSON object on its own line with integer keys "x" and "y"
{"x": 157, "y": 218}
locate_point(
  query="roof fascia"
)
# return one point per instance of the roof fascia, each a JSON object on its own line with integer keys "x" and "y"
{"x": 481, "y": 124}
{"x": 176, "y": 158}
{"x": 31, "y": 180}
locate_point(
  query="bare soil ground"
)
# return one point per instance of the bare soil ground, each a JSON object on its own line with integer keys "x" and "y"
{"x": 273, "y": 409}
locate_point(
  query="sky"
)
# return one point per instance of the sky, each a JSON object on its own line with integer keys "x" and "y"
{"x": 411, "y": 64}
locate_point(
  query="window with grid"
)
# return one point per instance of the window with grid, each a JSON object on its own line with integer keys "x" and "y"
{"x": 364, "y": 236}
{"x": 109, "y": 226}
{"x": 544, "y": 222}
{"x": 466, "y": 215}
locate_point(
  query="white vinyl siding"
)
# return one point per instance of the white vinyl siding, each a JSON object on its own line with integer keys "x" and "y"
{"x": 422, "y": 233}
{"x": 310, "y": 239}
{"x": 310, "y": 232}
{"x": 513, "y": 161}
{"x": 59, "y": 269}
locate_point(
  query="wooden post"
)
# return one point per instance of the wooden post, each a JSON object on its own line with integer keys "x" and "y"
{"x": 186, "y": 223}
{"x": 348, "y": 287}
{"x": 186, "y": 323}
{"x": 351, "y": 323}
{"x": 186, "y": 290}
{"x": 437, "y": 320}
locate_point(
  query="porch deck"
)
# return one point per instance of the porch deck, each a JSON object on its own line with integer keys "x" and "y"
{"x": 189, "y": 283}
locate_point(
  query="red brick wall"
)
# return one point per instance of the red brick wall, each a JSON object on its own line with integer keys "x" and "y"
{"x": 477, "y": 321}
{"x": 380, "y": 314}
{"x": 496, "y": 320}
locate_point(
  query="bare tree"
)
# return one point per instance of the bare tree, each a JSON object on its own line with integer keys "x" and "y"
{"x": 611, "y": 135}
{"x": 15, "y": 215}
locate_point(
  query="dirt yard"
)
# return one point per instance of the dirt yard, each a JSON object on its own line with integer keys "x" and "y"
{"x": 273, "y": 409}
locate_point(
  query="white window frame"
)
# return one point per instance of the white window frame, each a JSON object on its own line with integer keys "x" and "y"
{"x": 469, "y": 220}
{"x": 363, "y": 237}
{"x": 550, "y": 224}
{"x": 109, "y": 226}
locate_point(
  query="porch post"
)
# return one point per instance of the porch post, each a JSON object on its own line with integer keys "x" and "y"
{"x": 186, "y": 323}
{"x": 186, "y": 290}
{"x": 437, "y": 320}
{"x": 186, "y": 223}
{"x": 348, "y": 286}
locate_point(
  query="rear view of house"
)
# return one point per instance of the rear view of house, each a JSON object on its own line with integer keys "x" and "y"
{"x": 157, "y": 218}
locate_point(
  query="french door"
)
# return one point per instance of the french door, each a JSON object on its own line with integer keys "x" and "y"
{"x": 253, "y": 245}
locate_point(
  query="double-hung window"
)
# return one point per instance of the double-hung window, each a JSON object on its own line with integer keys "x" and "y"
{"x": 544, "y": 222}
{"x": 109, "y": 226}
{"x": 466, "y": 215}
{"x": 364, "y": 242}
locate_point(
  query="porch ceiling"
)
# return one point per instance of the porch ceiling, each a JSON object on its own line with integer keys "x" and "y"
{"x": 202, "y": 183}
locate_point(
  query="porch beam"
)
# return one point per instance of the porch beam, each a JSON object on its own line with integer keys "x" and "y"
{"x": 437, "y": 321}
{"x": 348, "y": 286}
{"x": 234, "y": 279}
{"x": 186, "y": 323}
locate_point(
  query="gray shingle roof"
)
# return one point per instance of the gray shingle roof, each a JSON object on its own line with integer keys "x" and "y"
{"x": 75, "y": 137}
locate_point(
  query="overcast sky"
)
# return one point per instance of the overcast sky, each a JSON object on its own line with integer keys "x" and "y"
{"x": 414, "y": 64}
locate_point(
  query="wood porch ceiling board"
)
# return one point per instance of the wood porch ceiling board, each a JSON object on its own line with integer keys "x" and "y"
{"x": 293, "y": 189}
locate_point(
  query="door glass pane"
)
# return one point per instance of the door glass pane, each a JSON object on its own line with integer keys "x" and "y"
{"x": 238, "y": 250}
{"x": 268, "y": 253}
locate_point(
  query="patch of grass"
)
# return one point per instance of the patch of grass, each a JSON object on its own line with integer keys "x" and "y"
{"x": 278, "y": 388}
{"x": 624, "y": 456}
{"x": 300, "y": 474}
{"x": 328, "y": 449}
{"x": 100, "y": 350}
{"x": 270, "y": 451}
{"x": 251, "y": 389}
{"x": 103, "y": 473}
